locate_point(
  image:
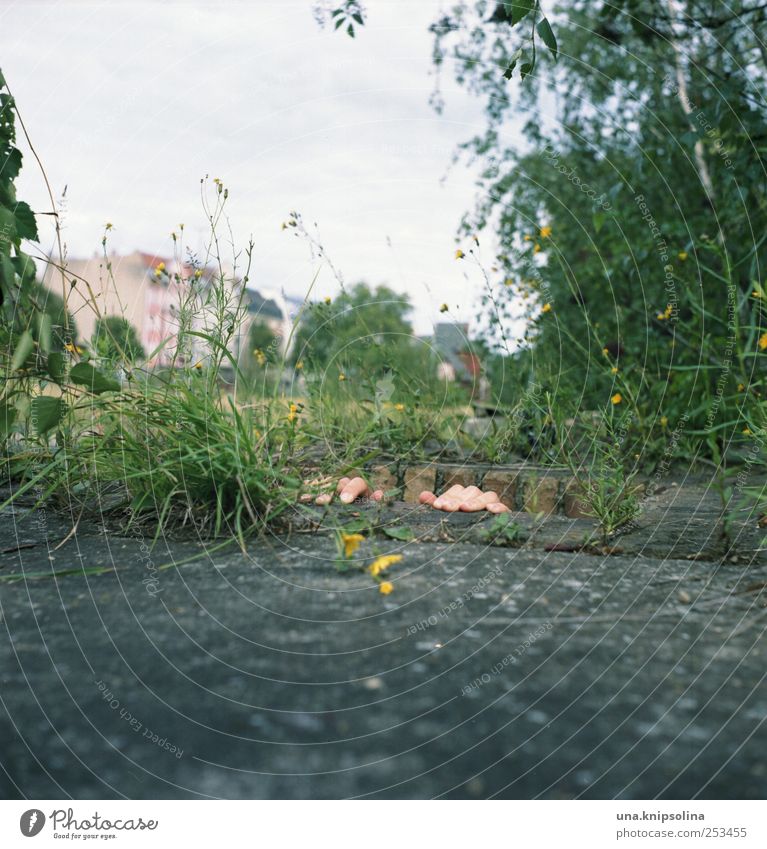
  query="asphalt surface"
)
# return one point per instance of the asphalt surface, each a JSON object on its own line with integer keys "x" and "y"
{"x": 488, "y": 671}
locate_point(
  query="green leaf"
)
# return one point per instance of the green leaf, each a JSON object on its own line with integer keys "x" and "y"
{"x": 25, "y": 267}
{"x": 7, "y": 230}
{"x": 512, "y": 64}
{"x": 26, "y": 226}
{"x": 350, "y": 30}
{"x": 47, "y": 412}
{"x": 56, "y": 365}
{"x": 7, "y": 418}
{"x": 7, "y": 272}
{"x": 599, "y": 219}
{"x": 10, "y": 164}
{"x": 84, "y": 374}
{"x": 526, "y": 69}
{"x": 402, "y": 533}
{"x": 518, "y": 9}
{"x": 547, "y": 35}
{"x": 23, "y": 349}
{"x": 44, "y": 331}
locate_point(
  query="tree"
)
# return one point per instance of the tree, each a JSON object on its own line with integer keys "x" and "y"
{"x": 115, "y": 338}
{"x": 362, "y": 330}
{"x": 631, "y": 217}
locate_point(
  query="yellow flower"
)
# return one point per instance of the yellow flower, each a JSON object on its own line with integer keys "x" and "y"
{"x": 756, "y": 294}
{"x": 536, "y": 248}
{"x": 444, "y": 308}
{"x": 741, "y": 387}
{"x": 545, "y": 232}
{"x": 661, "y": 316}
{"x": 294, "y": 408}
{"x": 328, "y": 300}
{"x": 342, "y": 377}
{"x": 72, "y": 349}
{"x": 763, "y": 341}
{"x": 663, "y": 421}
{"x": 747, "y": 431}
{"x": 606, "y": 352}
{"x": 198, "y": 365}
{"x": 616, "y": 399}
{"x": 198, "y": 273}
{"x": 108, "y": 225}
{"x": 614, "y": 370}
{"x": 399, "y": 408}
{"x": 546, "y": 307}
{"x": 351, "y": 543}
{"x": 283, "y": 226}
{"x": 508, "y": 282}
{"x": 299, "y": 365}
{"x": 459, "y": 254}
{"x": 385, "y": 587}
{"x": 381, "y": 563}
{"x": 528, "y": 238}
{"x": 160, "y": 267}
{"x": 682, "y": 256}
{"x": 292, "y": 416}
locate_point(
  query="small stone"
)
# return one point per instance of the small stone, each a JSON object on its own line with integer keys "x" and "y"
{"x": 541, "y": 495}
{"x": 504, "y": 483}
{"x": 418, "y": 479}
{"x": 684, "y": 597}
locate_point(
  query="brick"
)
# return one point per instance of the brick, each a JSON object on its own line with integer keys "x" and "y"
{"x": 465, "y": 476}
{"x": 575, "y": 504}
{"x": 383, "y": 477}
{"x": 541, "y": 495}
{"x": 417, "y": 479}
{"x": 504, "y": 483}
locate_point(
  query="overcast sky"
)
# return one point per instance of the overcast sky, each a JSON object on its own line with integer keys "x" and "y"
{"x": 130, "y": 104}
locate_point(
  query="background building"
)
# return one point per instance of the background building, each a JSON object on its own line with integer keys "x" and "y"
{"x": 130, "y": 286}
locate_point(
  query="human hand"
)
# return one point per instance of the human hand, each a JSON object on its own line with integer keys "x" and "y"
{"x": 468, "y": 499}
{"x": 347, "y": 490}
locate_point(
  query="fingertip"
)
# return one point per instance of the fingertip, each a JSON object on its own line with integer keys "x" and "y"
{"x": 377, "y": 495}
{"x": 427, "y": 497}
{"x": 347, "y": 497}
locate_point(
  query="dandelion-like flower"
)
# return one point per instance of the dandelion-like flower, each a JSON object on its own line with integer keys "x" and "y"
{"x": 664, "y": 421}
{"x": 459, "y": 254}
{"x": 382, "y": 563}
{"x": 444, "y": 308}
{"x": 763, "y": 341}
{"x": 351, "y": 543}
{"x": 385, "y": 587}
{"x": 536, "y": 248}
{"x": 682, "y": 256}
{"x": 299, "y": 365}
{"x": 616, "y": 399}
{"x": 546, "y": 307}
{"x": 545, "y": 232}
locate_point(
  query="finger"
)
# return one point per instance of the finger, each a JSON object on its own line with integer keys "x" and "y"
{"x": 497, "y": 507}
{"x": 342, "y": 483}
{"x": 449, "y": 505}
{"x": 324, "y": 499}
{"x": 353, "y": 490}
{"x": 377, "y": 495}
{"x": 427, "y": 497}
{"x": 479, "y": 502}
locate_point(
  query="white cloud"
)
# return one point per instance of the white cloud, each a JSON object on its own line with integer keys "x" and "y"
{"x": 129, "y": 105}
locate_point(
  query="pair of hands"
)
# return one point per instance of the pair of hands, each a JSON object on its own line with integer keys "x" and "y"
{"x": 468, "y": 499}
